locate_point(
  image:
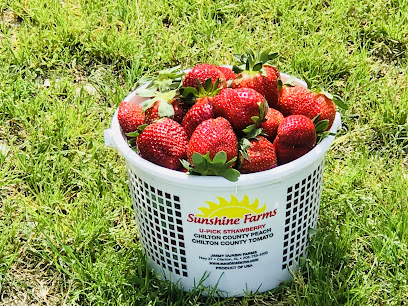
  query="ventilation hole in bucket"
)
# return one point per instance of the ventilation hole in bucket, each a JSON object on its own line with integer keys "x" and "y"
{"x": 158, "y": 218}
{"x": 302, "y": 209}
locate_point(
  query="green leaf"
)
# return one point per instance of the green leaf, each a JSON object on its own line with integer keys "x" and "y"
{"x": 230, "y": 162}
{"x": 251, "y": 55}
{"x": 244, "y": 145}
{"x": 340, "y": 102}
{"x": 136, "y": 133}
{"x": 251, "y": 131}
{"x": 257, "y": 132}
{"x": 164, "y": 80}
{"x": 309, "y": 84}
{"x": 239, "y": 58}
{"x": 144, "y": 92}
{"x": 255, "y": 119}
{"x": 237, "y": 69}
{"x": 203, "y": 165}
{"x": 186, "y": 91}
{"x": 176, "y": 84}
{"x": 326, "y": 93}
{"x": 280, "y": 84}
{"x": 257, "y": 66}
{"x": 249, "y": 128}
{"x": 321, "y": 126}
{"x": 323, "y": 135}
{"x": 200, "y": 87}
{"x": 198, "y": 159}
{"x": 133, "y": 134}
{"x": 220, "y": 158}
{"x": 145, "y": 79}
{"x": 215, "y": 86}
{"x": 165, "y": 109}
{"x": 185, "y": 164}
{"x": 264, "y": 57}
{"x": 316, "y": 119}
{"x": 147, "y": 104}
{"x": 231, "y": 174}
{"x": 254, "y": 133}
{"x": 263, "y": 110}
{"x": 247, "y": 65}
{"x": 208, "y": 85}
{"x": 273, "y": 56}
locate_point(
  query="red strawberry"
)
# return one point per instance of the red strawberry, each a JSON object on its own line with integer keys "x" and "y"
{"x": 270, "y": 125}
{"x": 130, "y": 116}
{"x": 273, "y": 74}
{"x": 259, "y": 156}
{"x": 201, "y": 73}
{"x": 213, "y": 149}
{"x": 199, "y": 112}
{"x": 164, "y": 143}
{"x": 257, "y": 82}
{"x": 296, "y": 136}
{"x": 317, "y": 104}
{"x": 228, "y": 73}
{"x": 253, "y": 73}
{"x": 180, "y": 110}
{"x": 289, "y": 153}
{"x": 292, "y": 97}
{"x": 213, "y": 135}
{"x": 152, "y": 113}
{"x": 239, "y": 106}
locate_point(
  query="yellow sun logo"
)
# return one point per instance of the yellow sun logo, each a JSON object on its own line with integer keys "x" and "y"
{"x": 231, "y": 209}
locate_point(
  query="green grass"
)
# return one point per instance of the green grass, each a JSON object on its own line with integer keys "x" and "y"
{"x": 67, "y": 231}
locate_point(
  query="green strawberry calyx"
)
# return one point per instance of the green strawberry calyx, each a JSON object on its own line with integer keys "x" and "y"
{"x": 191, "y": 94}
{"x": 244, "y": 144}
{"x": 253, "y": 130}
{"x": 320, "y": 128}
{"x": 165, "y": 107}
{"x": 133, "y": 135}
{"x": 163, "y": 80}
{"x": 136, "y": 133}
{"x": 218, "y": 166}
{"x": 251, "y": 62}
{"x": 335, "y": 98}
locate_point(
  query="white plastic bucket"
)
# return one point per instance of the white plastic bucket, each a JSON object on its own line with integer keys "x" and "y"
{"x": 240, "y": 237}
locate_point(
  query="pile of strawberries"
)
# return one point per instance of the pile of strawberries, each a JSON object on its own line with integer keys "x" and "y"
{"x": 214, "y": 120}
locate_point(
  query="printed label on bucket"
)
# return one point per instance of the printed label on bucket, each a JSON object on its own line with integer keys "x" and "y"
{"x": 233, "y": 234}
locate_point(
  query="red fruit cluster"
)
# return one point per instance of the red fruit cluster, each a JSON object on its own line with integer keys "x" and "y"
{"x": 216, "y": 121}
